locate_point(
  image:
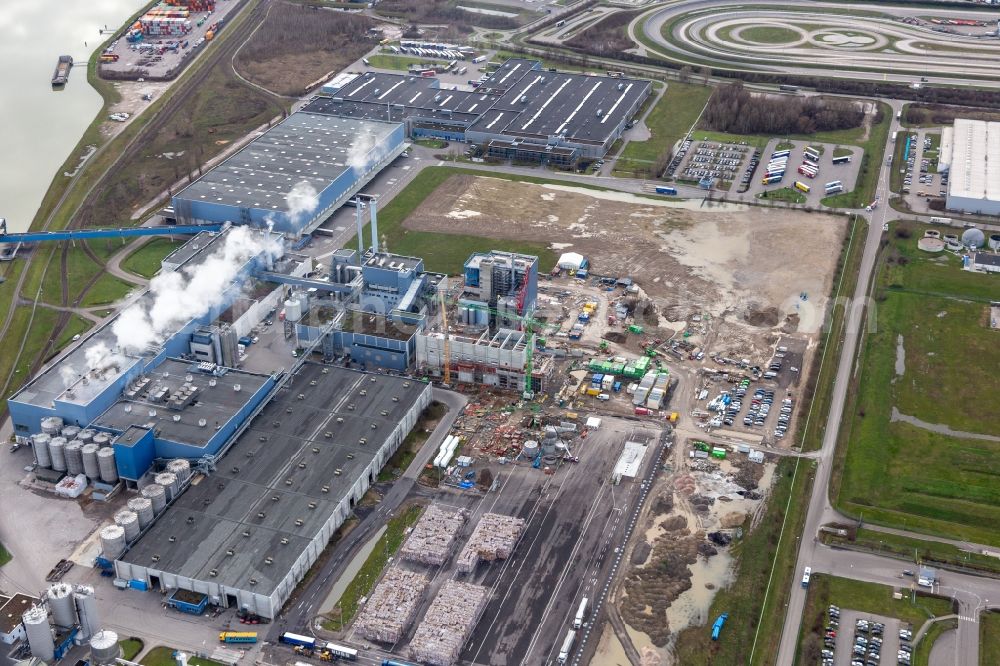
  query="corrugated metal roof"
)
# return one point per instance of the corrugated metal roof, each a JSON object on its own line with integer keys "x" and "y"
{"x": 975, "y": 160}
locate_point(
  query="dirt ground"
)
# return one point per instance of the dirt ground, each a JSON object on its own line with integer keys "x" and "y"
{"x": 132, "y": 102}
{"x": 748, "y": 267}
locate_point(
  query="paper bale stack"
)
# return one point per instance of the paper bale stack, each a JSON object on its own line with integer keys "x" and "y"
{"x": 493, "y": 539}
{"x": 448, "y": 623}
{"x": 433, "y": 536}
{"x": 392, "y": 606}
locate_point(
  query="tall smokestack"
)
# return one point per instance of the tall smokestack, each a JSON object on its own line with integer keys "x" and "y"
{"x": 361, "y": 238}
{"x": 371, "y": 202}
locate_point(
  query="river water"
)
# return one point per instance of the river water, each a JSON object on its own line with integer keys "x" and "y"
{"x": 39, "y": 126}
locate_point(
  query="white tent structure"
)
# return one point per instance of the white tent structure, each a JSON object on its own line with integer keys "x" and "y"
{"x": 571, "y": 261}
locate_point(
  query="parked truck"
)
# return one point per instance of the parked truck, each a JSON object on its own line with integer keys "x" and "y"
{"x": 566, "y": 646}
{"x": 581, "y": 614}
{"x": 717, "y": 627}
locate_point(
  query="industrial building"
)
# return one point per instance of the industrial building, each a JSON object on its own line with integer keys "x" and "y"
{"x": 293, "y": 176}
{"x": 521, "y": 111}
{"x": 247, "y": 535}
{"x": 970, "y": 154}
{"x": 492, "y": 359}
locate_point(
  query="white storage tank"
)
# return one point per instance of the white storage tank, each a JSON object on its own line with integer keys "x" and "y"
{"x": 156, "y": 494}
{"x": 70, "y": 431}
{"x": 180, "y": 468}
{"x": 40, "y": 443}
{"x": 112, "y": 541}
{"x": 86, "y": 435}
{"x": 57, "y": 450}
{"x": 61, "y": 605}
{"x": 293, "y": 310}
{"x": 530, "y": 449}
{"x": 90, "y": 466}
{"x": 106, "y": 464}
{"x": 74, "y": 457}
{"x": 102, "y": 438}
{"x": 129, "y": 522}
{"x": 86, "y": 610}
{"x": 52, "y": 425}
{"x": 143, "y": 508}
{"x": 40, "y": 639}
{"x": 104, "y": 648}
{"x": 303, "y": 298}
{"x": 995, "y": 242}
{"x": 169, "y": 482}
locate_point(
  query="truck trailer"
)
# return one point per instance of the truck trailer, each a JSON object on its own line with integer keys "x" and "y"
{"x": 566, "y": 646}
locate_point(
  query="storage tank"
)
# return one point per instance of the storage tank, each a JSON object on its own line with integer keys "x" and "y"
{"x": 74, "y": 457}
{"x": 57, "y": 450}
{"x": 303, "y": 298}
{"x": 70, "y": 431}
{"x": 40, "y": 443}
{"x": 86, "y": 610}
{"x": 143, "y": 508}
{"x": 112, "y": 541}
{"x": 104, "y": 648}
{"x": 40, "y": 639}
{"x": 995, "y": 242}
{"x": 169, "y": 482}
{"x": 293, "y": 310}
{"x": 102, "y": 439}
{"x": 86, "y": 435}
{"x": 155, "y": 493}
{"x": 90, "y": 466}
{"x": 61, "y": 605}
{"x": 129, "y": 522}
{"x": 180, "y": 468}
{"x": 52, "y": 425}
{"x": 106, "y": 464}
{"x": 530, "y": 449}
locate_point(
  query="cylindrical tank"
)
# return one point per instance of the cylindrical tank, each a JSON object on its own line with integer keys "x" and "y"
{"x": 57, "y": 450}
{"x": 143, "y": 508}
{"x": 86, "y": 435}
{"x": 106, "y": 465}
{"x": 52, "y": 425}
{"x": 70, "y": 431}
{"x": 129, "y": 522}
{"x": 60, "y": 596}
{"x": 303, "y": 298}
{"x": 530, "y": 449}
{"x": 40, "y": 443}
{"x": 995, "y": 242}
{"x": 40, "y": 639}
{"x": 90, "y": 466}
{"x": 293, "y": 310}
{"x": 156, "y": 494}
{"x": 180, "y": 468}
{"x": 112, "y": 541}
{"x": 169, "y": 482}
{"x": 74, "y": 457}
{"x": 102, "y": 439}
{"x": 104, "y": 648}
{"x": 86, "y": 610}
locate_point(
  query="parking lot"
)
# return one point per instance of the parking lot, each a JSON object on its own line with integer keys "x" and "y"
{"x": 862, "y": 639}
{"x": 827, "y": 171}
{"x": 711, "y": 162}
{"x": 921, "y": 182}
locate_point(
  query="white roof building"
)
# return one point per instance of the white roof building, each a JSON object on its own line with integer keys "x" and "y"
{"x": 571, "y": 261}
{"x": 973, "y": 165}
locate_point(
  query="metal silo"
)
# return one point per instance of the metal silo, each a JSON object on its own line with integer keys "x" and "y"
{"x": 156, "y": 494}
{"x": 70, "y": 431}
{"x": 994, "y": 242}
{"x": 129, "y": 522}
{"x": 60, "y": 596}
{"x": 40, "y": 443}
{"x": 104, "y": 648}
{"x": 106, "y": 464}
{"x": 90, "y": 466}
{"x": 293, "y": 310}
{"x": 86, "y": 435}
{"x": 57, "y": 450}
{"x": 143, "y": 508}
{"x": 169, "y": 482}
{"x": 74, "y": 457}
{"x": 112, "y": 541}
{"x": 52, "y": 425}
{"x": 40, "y": 639}
{"x": 86, "y": 610}
{"x": 181, "y": 468}
{"x": 102, "y": 439}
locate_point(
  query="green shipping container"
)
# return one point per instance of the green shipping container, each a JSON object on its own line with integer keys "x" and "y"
{"x": 634, "y": 329}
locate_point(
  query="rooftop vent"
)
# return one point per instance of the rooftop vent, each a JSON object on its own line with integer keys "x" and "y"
{"x": 235, "y": 470}
{"x": 328, "y": 434}
{"x": 155, "y": 558}
{"x": 363, "y": 392}
{"x": 340, "y": 419}
{"x": 237, "y": 388}
{"x": 202, "y": 423}
{"x": 315, "y": 449}
{"x": 177, "y": 418}
{"x": 275, "y": 498}
{"x": 172, "y": 539}
{"x": 374, "y": 426}
{"x": 312, "y": 505}
{"x": 152, "y": 412}
{"x": 262, "y": 438}
{"x": 213, "y": 573}
{"x": 312, "y": 382}
{"x": 288, "y": 482}
{"x": 246, "y": 534}
{"x": 284, "y": 541}
{"x": 371, "y": 379}
{"x": 326, "y": 489}
{"x": 406, "y": 384}
{"x": 324, "y": 371}
{"x": 395, "y": 398}
{"x": 338, "y": 472}
{"x": 277, "y": 424}
{"x": 230, "y": 552}
{"x": 350, "y": 456}
{"x": 212, "y": 382}
{"x": 268, "y": 560}
{"x": 384, "y": 412}
{"x": 288, "y": 410}
{"x": 253, "y": 581}
{"x": 190, "y": 520}
{"x": 298, "y": 522}
{"x": 302, "y": 465}
{"x": 350, "y": 407}
{"x": 362, "y": 441}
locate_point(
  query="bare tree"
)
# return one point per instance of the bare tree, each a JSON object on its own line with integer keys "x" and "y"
{"x": 684, "y": 75}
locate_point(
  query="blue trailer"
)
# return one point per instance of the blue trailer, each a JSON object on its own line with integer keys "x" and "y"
{"x": 670, "y": 191}
{"x": 391, "y": 662}
{"x": 717, "y": 627}
{"x": 297, "y": 639}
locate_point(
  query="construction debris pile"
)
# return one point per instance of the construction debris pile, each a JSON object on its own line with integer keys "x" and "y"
{"x": 392, "y": 605}
{"x": 448, "y": 623}
{"x": 503, "y": 440}
{"x": 433, "y": 536}
{"x": 493, "y": 539}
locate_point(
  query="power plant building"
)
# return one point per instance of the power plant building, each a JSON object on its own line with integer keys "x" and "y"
{"x": 970, "y": 154}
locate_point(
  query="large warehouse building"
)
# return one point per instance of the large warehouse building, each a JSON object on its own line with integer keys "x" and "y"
{"x": 521, "y": 111}
{"x": 970, "y": 153}
{"x": 294, "y": 175}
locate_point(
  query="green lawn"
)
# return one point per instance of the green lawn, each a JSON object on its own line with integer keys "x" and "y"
{"x": 371, "y": 570}
{"x": 989, "y": 638}
{"x": 766, "y": 34}
{"x": 898, "y": 168}
{"x": 784, "y": 145}
{"x": 146, "y": 260}
{"x": 922, "y": 655}
{"x": 668, "y": 122}
{"x": 407, "y": 451}
{"x": 840, "y": 151}
{"x": 108, "y": 289}
{"x": 164, "y": 656}
{"x": 77, "y": 326}
{"x": 787, "y": 194}
{"x": 860, "y": 596}
{"x": 130, "y": 648}
{"x": 431, "y": 143}
{"x": 5, "y": 556}
{"x": 396, "y": 61}
{"x": 898, "y": 474}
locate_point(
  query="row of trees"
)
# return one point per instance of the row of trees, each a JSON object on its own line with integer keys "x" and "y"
{"x": 734, "y": 109}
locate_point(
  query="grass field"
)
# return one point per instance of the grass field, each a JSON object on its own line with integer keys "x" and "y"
{"x": 107, "y": 290}
{"x": 766, "y": 34}
{"x": 164, "y": 656}
{"x": 371, "y": 570}
{"x": 898, "y": 474}
{"x": 922, "y": 655}
{"x": 130, "y": 648}
{"x": 668, "y": 122}
{"x": 386, "y": 61}
{"x": 4, "y": 556}
{"x": 860, "y": 596}
{"x": 146, "y": 260}
{"x": 989, "y": 638}
{"x": 898, "y": 168}
{"x": 77, "y": 326}
{"x": 786, "y": 194}
{"x": 756, "y": 141}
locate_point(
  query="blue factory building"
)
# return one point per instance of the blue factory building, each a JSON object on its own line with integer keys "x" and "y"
{"x": 294, "y": 175}
{"x": 505, "y": 283}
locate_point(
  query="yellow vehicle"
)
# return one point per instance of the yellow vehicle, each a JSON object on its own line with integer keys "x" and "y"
{"x": 802, "y": 187}
{"x": 674, "y": 416}
{"x": 593, "y": 391}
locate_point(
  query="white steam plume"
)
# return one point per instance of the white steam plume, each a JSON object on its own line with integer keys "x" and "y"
{"x": 357, "y": 156}
{"x": 301, "y": 201}
{"x": 68, "y": 374}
